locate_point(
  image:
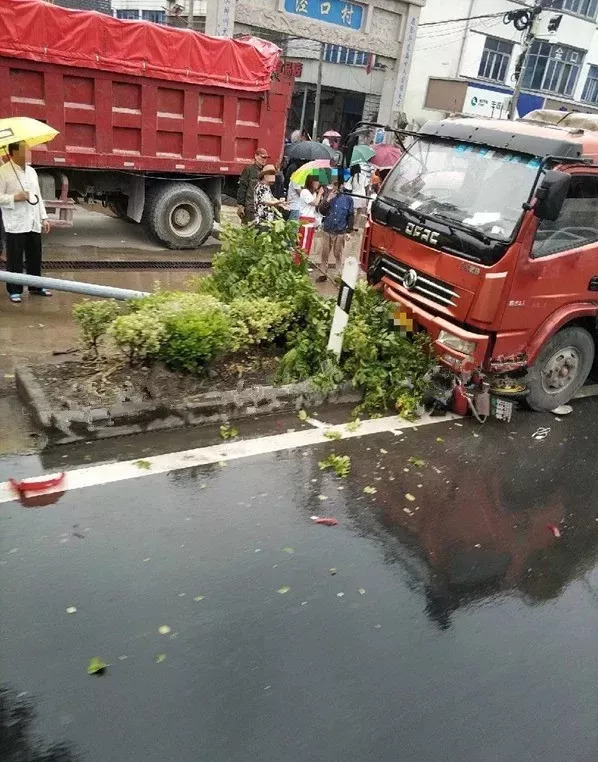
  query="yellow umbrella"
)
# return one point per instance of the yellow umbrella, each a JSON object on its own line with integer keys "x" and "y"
{"x": 17, "y": 129}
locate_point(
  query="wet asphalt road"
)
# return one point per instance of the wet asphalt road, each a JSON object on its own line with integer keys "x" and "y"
{"x": 455, "y": 627}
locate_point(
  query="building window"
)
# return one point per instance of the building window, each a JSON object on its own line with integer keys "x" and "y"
{"x": 590, "y": 90}
{"x": 495, "y": 59}
{"x": 552, "y": 68}
{"x": 158, "y": 17}
{"x": 124, "y": 13}
{"x": 587, "y": 8}
{"x": 349, "y": 56}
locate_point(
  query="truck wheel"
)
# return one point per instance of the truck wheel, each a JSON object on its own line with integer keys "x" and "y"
{"x": 180, "y": 215}
{"x": 561, "y": 369}
{"x": 118, "y": 206}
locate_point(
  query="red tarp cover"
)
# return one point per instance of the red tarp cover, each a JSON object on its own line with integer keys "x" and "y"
{"x": 39, "y": 31}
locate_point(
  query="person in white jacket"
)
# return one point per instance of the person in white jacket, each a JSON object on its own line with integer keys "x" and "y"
{"x": 24, "y": 216}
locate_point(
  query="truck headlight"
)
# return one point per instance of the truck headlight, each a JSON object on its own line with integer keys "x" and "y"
{"x": 454, "y": 342}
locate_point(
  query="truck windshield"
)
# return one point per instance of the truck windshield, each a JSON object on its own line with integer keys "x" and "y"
{"x": 477, "y": 187}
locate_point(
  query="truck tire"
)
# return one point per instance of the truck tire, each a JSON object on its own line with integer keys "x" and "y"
{"x": 561, "y": 368}
{"x": 179, "y": 215}
{"x": 118, "y": 207}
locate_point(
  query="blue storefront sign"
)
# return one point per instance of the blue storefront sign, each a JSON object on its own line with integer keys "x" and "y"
{"x": 339, "y": 12}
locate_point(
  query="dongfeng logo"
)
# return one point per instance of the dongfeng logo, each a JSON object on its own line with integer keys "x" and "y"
{"x": 425, "y": 235}
{"x": 410, "y": 279}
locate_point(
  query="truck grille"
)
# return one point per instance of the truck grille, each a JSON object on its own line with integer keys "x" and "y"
{"x": 418, "y": 283}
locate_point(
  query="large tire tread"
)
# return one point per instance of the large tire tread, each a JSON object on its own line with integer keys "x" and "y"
{"x": 540, "y": 400}
{"x": 158, "y": 202}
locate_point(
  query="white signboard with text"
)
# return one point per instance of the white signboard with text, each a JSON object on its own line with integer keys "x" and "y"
{"x": 480, "y": 101}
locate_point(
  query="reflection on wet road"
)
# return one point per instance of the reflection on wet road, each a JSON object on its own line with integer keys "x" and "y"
{"x": 442, "y": 619}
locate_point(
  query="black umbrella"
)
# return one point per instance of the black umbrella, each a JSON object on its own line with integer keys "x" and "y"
{"x": 308, "y": 150}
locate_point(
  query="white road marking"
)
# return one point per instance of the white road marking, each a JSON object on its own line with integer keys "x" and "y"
{"x": 108, "y": 473}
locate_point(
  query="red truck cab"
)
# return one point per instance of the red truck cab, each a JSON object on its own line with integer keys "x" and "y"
{"x": 485, "y": 235}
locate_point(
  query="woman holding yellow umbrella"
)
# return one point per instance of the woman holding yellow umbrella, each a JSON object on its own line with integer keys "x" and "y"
{"x": 23, "y": 210}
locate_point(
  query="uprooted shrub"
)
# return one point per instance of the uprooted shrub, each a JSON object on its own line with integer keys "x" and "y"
{"x": 94, "y": 319}
{"x": 259, "y": 321}
{"x": 194, "y": 337}
{"x": 260, "y": 294}
{"x": 138, "y": 335}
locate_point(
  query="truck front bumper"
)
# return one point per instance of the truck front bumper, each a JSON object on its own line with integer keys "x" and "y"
{"x": 458, "y": 349}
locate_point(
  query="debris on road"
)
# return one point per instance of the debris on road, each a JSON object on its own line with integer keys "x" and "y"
{"x": 541, "y": 433}
{"x": 71, "y": 610}
{"x": 145, "y": 465}
{"x": 370, "y": 490}
{"x": 160, "y": 658}
{"x": 555, "y": 530}
{"x": 341, "y": 464}
{"x": 227, "y": 432}
{"x": 332, "y": 434}
{"x": 283, "y": 590}
{"x": 96, "y": 666}
{"x": 328, "y": 521}
{"x": 417, "y": 462}
{"x": 164, "y": 629}
{"x": 38, "y": 484}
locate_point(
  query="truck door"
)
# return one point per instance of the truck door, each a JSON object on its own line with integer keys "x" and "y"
{"x": 562, "y": 266}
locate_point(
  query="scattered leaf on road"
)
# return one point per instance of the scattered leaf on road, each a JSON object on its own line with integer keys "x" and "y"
{"x": 302, "y": 415}
{"x": 439, "y": 439}
{"x": 160, "y": 658}
{"x": 340, "y": 595}
{"x": 289, "y": 550}
{"x": 332, "y": 434}
{"x": 199, "y": 597}
{"x": 333, "y": 571}
{"x": 164, "y": 629}
{"x": 353, "y": 425}
{"x": 144, "y": 464}
{"x": 341, "y": 464}
{"x": 322, "y": 497}
{"x": 370, "y": 490}
{"x": 283, "y": 590}
{"x": 96, "y": 666}
{"x": 410, "y": 497}
{"x": 361, "y": 591}
{"x": 383, "y": 451}
{"x": 71, "y": 610}
{"x": 417, "y": 462}
{"x": 226, "y": 432}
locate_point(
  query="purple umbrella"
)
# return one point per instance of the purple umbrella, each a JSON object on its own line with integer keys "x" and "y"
{"x": 386, "y": 156}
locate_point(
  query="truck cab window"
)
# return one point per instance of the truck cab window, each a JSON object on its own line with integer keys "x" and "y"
{"x": 577, "y": 224}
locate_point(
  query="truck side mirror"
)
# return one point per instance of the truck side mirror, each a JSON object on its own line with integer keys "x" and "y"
{"x": 551, "y": 194}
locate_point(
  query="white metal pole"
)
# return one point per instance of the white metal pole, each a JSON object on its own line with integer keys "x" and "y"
{"x": 77, "y": 287}
{"x": 343, "y": 305}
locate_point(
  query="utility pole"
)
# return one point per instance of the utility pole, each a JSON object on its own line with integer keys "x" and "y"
{"x": 303, "y": 107}
{"x": 190, "y": 14}
{"x": 523, "y": 20}
{"x": 314, "y": 133}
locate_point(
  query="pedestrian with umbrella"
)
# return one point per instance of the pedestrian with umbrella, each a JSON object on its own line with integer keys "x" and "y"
{"x": 358, "y": 181}
{"x": 331, "y": 138}
{"x": 23, "y": 210}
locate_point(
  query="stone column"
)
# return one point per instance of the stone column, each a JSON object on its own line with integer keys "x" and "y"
{"x": 220, "y": 18}
{"x": 395, "y": 82}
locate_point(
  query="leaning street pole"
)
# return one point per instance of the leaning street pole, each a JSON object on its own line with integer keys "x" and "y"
{"x": 76, "y": 287}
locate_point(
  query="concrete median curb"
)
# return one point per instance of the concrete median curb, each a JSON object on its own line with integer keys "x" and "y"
{"x": 66, "y": 426}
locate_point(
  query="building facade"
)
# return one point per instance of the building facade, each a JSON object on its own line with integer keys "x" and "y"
{"x": 365, "y": 48}
{"x": 85, "y": 5}
{"x": 469, "y": 66}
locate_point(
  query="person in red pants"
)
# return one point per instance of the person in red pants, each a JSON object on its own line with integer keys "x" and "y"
{"x": 24, "y": 216}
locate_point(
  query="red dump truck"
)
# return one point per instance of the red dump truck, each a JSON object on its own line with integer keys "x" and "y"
{"x": 485, "y": 235}
{"x": 151, "y": 118}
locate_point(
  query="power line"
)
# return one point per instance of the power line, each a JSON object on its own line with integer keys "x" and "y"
{"x": 467, "y": 18}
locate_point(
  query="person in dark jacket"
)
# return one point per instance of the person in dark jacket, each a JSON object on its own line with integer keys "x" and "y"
{"x": 247, "y": 182}
{"x": 339, "y": 216}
